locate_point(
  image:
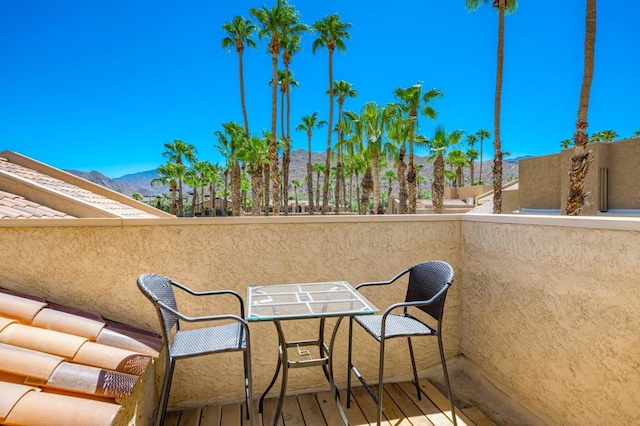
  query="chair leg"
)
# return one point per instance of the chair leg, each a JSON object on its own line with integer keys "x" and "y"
{"x": 349, "y": 365}
{"x": 166, "y": 389}
{"x": 446, "y": 380}
{"x": 415, "y": 371}
{"x": 381, "y": 381}
{"x": 248, "y": 384}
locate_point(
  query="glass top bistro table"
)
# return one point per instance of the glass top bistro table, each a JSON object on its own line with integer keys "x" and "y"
{"x": 305, "y": 301}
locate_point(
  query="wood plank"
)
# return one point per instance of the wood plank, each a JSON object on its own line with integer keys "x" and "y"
{"x": 367, "y": 405}
{"x": 425, "y": 405}
{"x": 269, "y": 411}
{"x": 257, "y": 417}
{"x": 442, "y": 403}
{"x": 231, "y": 415}
{"x": 210, "y": 415}
{"x": 354, "y": 413}
{"x": 328, "y": 406}
{"x": 477, "y": 416}
{"x": 291, "y": 413}
{"x": 311, "y": 411}
{"x": 406, "y": 405}
{"x": 171, "y": 418}
{"x": 190, "y": 417}
{"x": 392, "y": 412}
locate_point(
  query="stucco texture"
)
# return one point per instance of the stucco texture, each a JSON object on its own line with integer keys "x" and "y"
{"x": 94, "y": 265}
{"x": 552, "y": 313}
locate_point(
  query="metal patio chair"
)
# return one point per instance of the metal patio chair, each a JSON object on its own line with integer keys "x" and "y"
{"x": 427, "y": 290}
{"x": 233, "y": 335}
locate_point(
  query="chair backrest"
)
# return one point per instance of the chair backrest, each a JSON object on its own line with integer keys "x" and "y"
{"x": 426, "y": 279}
{"x": 158, "y": 288}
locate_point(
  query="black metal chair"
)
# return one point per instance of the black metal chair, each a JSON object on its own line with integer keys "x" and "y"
{"x": 233, "y": 335}
{"x": 427, "y": 289}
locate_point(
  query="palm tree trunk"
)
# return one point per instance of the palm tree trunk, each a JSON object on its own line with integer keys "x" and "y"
{"x": 242, "y": 102}
{"x": 286, "y": 160}
{"x": 437, "y": 187}
{"x": 273, "y": 147}
{"x": 310, "y": 176}
{"x": 581, "y": 158}
{"x": 327, "y": 162}
{"x": 225, "y": 207}
{"x": 480, "y": 181}
{"x": 471, "y": 171}
{"x": 411, "y": 175}
{"x": 402, "y": 180}
{"x": 497, "y": 150}
{"x": 235, "y": 189}
{"x": 318, "y": 190}
{"x": 376, "y": 183}
{"x": 367, "y": 188}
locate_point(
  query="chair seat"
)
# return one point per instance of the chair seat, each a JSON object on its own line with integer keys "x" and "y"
{"x": 201, "y": 341}
{"x": 397, "y": 326}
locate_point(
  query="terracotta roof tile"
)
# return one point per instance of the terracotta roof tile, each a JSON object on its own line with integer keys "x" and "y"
{"x": 21, "y": 208}
{"x": 66, "y": 366}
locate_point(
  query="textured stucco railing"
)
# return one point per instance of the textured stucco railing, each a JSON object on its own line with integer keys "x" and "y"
{"x": 93, "y": 264}
{"x": 550, "y": 310}
{"x": 546, "y": 305}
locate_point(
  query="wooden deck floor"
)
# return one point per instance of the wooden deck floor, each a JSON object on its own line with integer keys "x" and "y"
{"x": 401, "y": 407}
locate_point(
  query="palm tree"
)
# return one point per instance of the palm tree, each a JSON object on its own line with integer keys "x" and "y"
{"x": 565, "y": 143}
{"x": 502, "y": 6}
{"x": 458, "y": 160}
{"x": 411, "y": 98}
{"x": 636, "y": 133}
{"x": 310, "y": 122}
{"x": 471, "y": 152}
{"x": 296, "y": 184}
{"x": 239, "y": 34}
{"x": 331, "y": 34}
{"x": 176, "y": 151}
{"x": 581, "y": 158}
{"x": 398, "y": 131}
{"x": 255, "y": 153}
{"x": 318, "y": 168}
{"x": 390, "y": 176}
{"x": 343, "y": 90}
{"x": 168, "y": 175}
{"x": 438, "y": 145}
{"x": 482, "y": 134}
{"x": 608, "y": 135}
{"x": 272, "y": 22}
{"x": 229, "y": 144}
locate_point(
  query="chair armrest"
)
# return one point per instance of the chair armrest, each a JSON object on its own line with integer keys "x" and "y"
{"x": 391, "y": 281}
{"x": 416, "y": 303}
{"x": 183, "y": 317}
{"x": 212, "y": 293}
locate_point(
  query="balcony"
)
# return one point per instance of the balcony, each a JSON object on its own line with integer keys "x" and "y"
{"x": 542, "y": 317}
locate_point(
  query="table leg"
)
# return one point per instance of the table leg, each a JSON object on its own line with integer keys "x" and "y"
{"x": 332, "y": 383}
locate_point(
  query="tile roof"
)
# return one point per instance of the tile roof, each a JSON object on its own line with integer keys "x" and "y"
{"x": 65, "y": 366}
{"x": 14, "y": 206}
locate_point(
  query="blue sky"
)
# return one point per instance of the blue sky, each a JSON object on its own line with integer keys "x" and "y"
{"x": 101, "y": 85}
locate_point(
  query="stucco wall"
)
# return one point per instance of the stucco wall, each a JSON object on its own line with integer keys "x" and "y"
{"x": 539, "y": 183}
{"x": 624, "y": 174}
{"x": 93, "y": 264}
{"x": 550, "y": 309}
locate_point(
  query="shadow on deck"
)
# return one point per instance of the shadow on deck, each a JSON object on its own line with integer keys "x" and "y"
{"x": 401, "y": 407}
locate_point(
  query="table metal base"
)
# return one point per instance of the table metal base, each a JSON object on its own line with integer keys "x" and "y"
{"x": 324, "y": 359}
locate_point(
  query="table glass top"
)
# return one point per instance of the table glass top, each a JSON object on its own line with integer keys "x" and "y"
{"x": 308, "y": 300}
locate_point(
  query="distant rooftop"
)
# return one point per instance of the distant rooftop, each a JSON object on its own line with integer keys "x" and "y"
{"x": 33, "y": 190}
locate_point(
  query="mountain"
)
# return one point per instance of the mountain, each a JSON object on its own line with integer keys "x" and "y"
{"x": 141, "y": 182}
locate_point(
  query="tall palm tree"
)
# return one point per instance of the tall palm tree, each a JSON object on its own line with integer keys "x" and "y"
{"x": 502, "y": 6}
{"x": 398, "y": 131}
{"x": 230, "y": 141}
{"x": 375, "y": 119}
{"x": 581, "y": 158}
{"x": 482, "y": 134}
{"x": 179, "y": 151}
{"x": 332, "y": 33}
{"x": 411, "y": 98}
{"x": 471, "y": 152}
{"x": 310, "y": 122}
{"x": 272, "y": 22}
{"x": 239, "y": 34}
{"x": 318, "y": 168}
{"x": 168, "y": 175}
{"x": 343, "y": 90}
{"x": 438, "y": 145}
{"x": 296, "y": 184}
{"x": 255, "y": 153}
{"x": 458, "y": 160}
